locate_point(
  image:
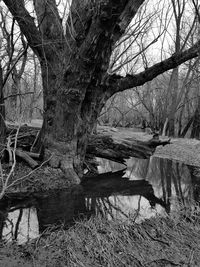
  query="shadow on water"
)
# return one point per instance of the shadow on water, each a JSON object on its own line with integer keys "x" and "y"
{"x": 145, "y": 188}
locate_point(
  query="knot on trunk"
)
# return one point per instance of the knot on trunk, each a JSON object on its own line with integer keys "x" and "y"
{"x": 72, "y": 96}
{"x": 104, "y": 10}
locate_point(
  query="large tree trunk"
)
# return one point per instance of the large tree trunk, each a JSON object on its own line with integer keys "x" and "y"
{"x": 70, "y": 114}
{"x": 73, "y": 92}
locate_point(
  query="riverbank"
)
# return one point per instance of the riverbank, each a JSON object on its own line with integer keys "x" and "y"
{"x": 183, "y": 150}
{"x": 168, "y": 241}
{"x": 160, "y": 241}
{"x": 44, "y": 178}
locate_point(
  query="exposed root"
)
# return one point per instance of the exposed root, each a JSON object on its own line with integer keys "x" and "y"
{"x": 65, "y": 163}
{"x": 69, "y": 172}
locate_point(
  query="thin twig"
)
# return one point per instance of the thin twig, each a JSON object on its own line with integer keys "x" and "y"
{"x": 5, "y": 186}
{"x": 157, "y": 239}
{"x": 1, "y": 174}
{"x": 27, "y": 175}
{"x": 18, "y": 94}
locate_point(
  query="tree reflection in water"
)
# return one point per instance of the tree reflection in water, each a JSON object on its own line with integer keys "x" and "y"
{"x": 19, "y": 225}
{"x": 172, "y": 181}
{"x": 145, "y": 188}
{"x": 116, "y": 196}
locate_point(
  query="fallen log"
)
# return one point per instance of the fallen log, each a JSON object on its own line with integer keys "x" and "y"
{"x": 33, "y": 155}
{"x": 23, "y": 155}
{"x": 112, "y": 144}
{"x": 120, "y": 149}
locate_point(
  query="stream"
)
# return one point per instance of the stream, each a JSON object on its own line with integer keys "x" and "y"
{"x": 142, "y": 190}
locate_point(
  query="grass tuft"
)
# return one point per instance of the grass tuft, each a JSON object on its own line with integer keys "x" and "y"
{"x": 168, "y": 241}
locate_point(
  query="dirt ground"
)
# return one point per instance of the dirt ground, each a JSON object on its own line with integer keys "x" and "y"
{"x": 27, "y": 181}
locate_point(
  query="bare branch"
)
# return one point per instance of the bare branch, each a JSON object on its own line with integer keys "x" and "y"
{"x": 14, "y": 65}
{"x": 18, "y": 94}
{"x": 196, "y": 9}
{"x": 26, "y": 24}
{"x": 117, "y": 83}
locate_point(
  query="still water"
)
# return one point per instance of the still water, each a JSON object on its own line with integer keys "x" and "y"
{"x": 143, "y": 189}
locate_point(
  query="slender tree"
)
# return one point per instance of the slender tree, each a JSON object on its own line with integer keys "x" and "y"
{"x": 74, "y": 61}
{"x": 10, "y": 55}
{"x": 2, "y": 114}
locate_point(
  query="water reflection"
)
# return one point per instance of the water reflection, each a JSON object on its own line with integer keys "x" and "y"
{"x": 145, "y": 188}
{"x": 60, "y": 208}
{"x": 117, "y": 196}
{"x": 172, "y": 181}
{"x": 20, "y": 224}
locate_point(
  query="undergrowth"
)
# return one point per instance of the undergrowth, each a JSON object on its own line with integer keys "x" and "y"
{"x": 161, "y": 241}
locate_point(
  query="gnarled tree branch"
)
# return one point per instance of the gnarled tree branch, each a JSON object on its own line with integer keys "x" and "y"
{"x": 117, "y": 83}
{"x": 108, "y": 22}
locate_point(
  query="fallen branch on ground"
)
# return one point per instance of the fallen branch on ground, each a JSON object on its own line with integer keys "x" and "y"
{"x": 26, "y": 157}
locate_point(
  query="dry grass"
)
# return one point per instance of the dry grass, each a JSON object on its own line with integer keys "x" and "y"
{"x": 170, "y": 241}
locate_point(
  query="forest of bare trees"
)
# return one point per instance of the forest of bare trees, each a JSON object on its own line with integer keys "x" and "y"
{"x": 171, "y": 98}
